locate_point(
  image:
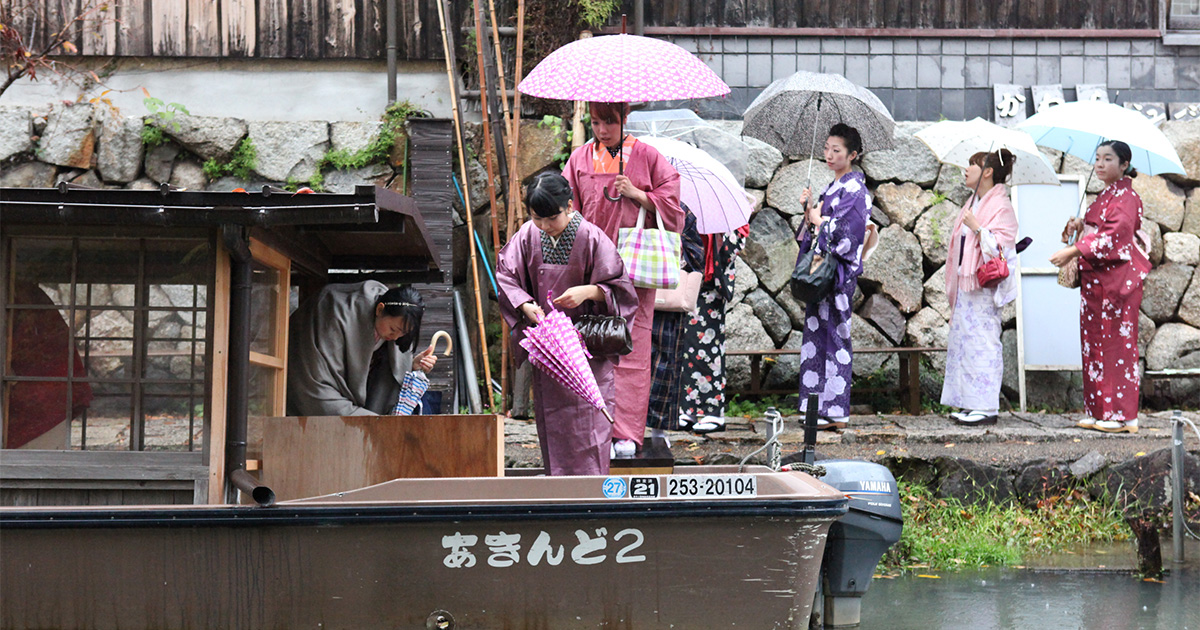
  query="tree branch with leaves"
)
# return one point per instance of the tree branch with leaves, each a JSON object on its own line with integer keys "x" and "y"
{"x": 22, "y": 20}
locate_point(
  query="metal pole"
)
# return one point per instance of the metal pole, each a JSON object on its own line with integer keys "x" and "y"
{"x": 810, "y": 429}
{"x": 639, "y": 17}
{"x": 469, "y": 375}
{"x": 237, "y": 242}
{"x": 1177, "y": 522}
{"x": 391, "y": 51}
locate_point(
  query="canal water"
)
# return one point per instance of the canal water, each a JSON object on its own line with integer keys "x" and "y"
{"x": 1087, "y": 589}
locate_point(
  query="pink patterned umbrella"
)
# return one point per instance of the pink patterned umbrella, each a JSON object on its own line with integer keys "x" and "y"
{"x": 622, "y": 69}
{"x": 555, "y": 347}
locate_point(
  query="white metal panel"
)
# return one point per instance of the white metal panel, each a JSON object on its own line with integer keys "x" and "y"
{"x": 1047, "y": 314}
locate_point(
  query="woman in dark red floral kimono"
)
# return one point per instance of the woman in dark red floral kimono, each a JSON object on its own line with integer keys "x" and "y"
{"x": 1112, "y": 268}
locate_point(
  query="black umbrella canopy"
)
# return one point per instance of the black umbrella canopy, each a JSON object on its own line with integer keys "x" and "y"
{"x": 793, "y": 113}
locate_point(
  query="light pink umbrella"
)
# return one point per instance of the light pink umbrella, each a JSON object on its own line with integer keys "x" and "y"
{"x": 706, "y": 187}
{"x": 622, "y": 69}
{"x": 554, "y": 347}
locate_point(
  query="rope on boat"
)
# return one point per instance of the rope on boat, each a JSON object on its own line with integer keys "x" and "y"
{"x": 809, "y": 469}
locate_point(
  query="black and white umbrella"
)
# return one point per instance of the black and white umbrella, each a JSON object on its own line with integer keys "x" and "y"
{"x": 791, "y": 113}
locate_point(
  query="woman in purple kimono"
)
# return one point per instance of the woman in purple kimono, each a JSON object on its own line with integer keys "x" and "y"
{"x": 836, "y": 226}
{"x": 561, "y": 254}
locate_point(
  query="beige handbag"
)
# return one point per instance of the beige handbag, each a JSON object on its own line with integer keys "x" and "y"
{"x": 681, "y": 299}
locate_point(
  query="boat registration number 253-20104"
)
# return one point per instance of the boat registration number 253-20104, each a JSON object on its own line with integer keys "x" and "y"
{"x": 693, "y": 487}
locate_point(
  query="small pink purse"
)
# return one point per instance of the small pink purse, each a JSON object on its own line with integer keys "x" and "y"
{"x": 683, "y": 298}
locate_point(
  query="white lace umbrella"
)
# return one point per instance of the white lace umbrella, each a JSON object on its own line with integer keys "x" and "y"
{"x": 954, "y": 142}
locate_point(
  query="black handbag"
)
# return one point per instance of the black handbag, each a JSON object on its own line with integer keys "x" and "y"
{"x": 812, "y": 279}
{"x": 604, "y": 334}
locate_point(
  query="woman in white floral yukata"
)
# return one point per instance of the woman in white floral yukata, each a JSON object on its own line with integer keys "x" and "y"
{"x": 1112, "y": 269}
{"x": 974, "y": 355}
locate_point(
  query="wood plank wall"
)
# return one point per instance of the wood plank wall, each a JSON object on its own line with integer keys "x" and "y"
{"x": 431, "y": 165}
{"x": 295, "y": 29}
{"x": 966, "y": 14}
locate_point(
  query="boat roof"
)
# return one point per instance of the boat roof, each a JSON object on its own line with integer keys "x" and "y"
{"x": 371, "y": 229}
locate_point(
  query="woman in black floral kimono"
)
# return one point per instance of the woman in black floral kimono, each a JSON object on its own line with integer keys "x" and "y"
{"x": 666, "y": 355}
{"x": 702, "y": 397}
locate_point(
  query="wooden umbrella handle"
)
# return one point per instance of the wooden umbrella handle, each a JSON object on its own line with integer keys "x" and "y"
{"x": 441, "y": 334}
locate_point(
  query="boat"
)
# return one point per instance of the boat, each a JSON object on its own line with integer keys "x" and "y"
{"x": 707, "y": 547}
{"x": 253, "y": 519}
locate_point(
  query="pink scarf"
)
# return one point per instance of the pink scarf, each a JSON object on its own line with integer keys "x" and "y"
{"x": 995, "y": 212}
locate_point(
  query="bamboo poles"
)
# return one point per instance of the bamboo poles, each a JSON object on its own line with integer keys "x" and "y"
{"x": 514, "y": 175}
{"x": 489, "y": 151}
{"x": 577, "y": 133}
{"x": 509, "y": 120}
{"x": 513, "y": 203}
{"x": 462, "y": 162}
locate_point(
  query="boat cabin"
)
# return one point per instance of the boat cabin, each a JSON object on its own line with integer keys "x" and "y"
{"x": 145, "y": 331}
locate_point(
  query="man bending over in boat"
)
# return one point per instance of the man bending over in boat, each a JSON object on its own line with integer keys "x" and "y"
{"x": 350, "y": 347}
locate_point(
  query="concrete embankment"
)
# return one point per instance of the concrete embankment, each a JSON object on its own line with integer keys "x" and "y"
{"x": 1025, "y": 456}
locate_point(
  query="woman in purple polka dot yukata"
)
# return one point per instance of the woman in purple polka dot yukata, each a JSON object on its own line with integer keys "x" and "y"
{"x": 836, "y": 225}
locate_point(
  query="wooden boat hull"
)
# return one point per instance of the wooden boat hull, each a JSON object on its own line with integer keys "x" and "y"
{"x": 539, "y": 553}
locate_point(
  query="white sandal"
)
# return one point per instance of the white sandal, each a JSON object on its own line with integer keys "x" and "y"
{"x": 709, "y": 424}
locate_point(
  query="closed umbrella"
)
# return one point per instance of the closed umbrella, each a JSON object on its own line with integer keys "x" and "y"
{"x": 555, "y": 348}
{"x": 954, "y": 142}
{"x": 415, "y": 383}
{"x": 1079, "y": 127}
{"x": 706, "y": 187}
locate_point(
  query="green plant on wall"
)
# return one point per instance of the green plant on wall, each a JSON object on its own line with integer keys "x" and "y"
{"x": 377, "y": 151}
{"x": 939, "y": 217}
{"x": 241, "y": 164}
{"x": 161, "y": 115}
{"x": 556, "y": 126}
{"x": 594, "y": 13}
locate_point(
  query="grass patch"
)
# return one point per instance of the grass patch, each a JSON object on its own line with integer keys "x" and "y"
{"x": 241, "y": 164}
{"x": 945, "y": 534}
{"x": 153, "y": 136}
{"x": 756, "y": 407}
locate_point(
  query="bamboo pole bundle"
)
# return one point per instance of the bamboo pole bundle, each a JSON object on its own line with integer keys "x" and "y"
{"x": 489, "y": 151}
{"x": 514, "y": 175}
{"x": 513, "y": 196}
{"x": 462, "y": 163}
{"x": 577, "y": 132}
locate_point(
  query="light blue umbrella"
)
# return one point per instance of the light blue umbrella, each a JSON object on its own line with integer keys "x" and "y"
{"x": 1079, "y": 127}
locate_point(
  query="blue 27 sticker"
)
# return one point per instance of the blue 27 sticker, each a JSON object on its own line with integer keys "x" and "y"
{"x": 615, "y": 487}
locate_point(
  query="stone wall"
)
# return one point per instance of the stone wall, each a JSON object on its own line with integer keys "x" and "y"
{"x": 901, "y": 300}
{"x": 95, "y": 146}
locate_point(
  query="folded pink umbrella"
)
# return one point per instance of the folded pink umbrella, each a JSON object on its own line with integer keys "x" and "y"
{"x": 555, "y": 348}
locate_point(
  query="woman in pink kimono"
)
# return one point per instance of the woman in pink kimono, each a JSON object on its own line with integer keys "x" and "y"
{"x": 1111, "y": 270}
{"x": 561, "y": 254}
{"x": 986, "y": 227}
{"x": 647, "y": 182}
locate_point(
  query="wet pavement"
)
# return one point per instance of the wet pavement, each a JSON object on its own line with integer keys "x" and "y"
{"x": 1017, "y": 437}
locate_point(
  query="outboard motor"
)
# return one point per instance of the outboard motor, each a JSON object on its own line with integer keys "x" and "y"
{"x": 859, "y": 539}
